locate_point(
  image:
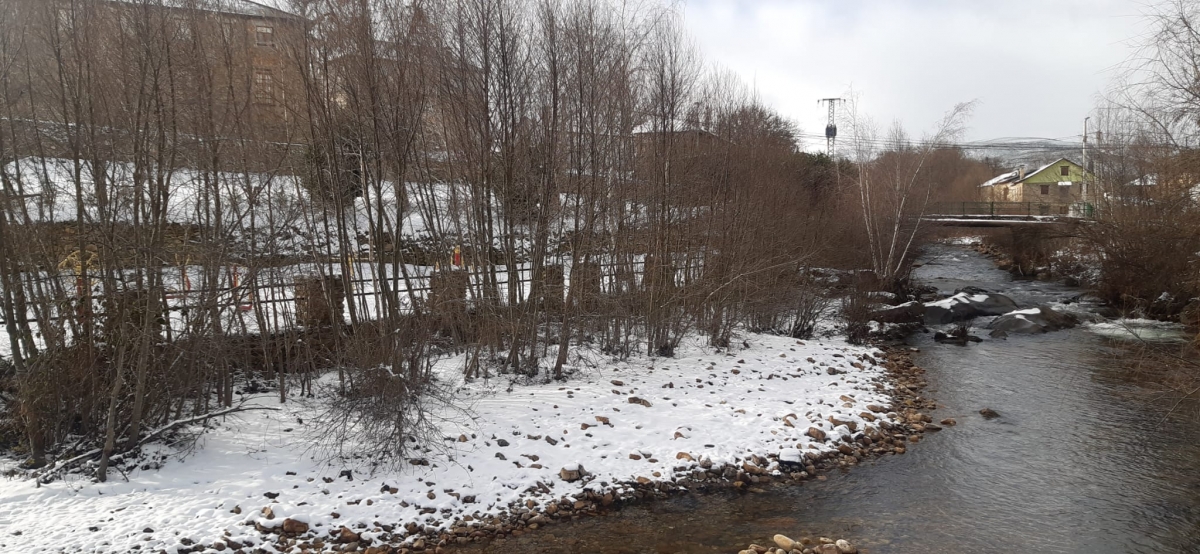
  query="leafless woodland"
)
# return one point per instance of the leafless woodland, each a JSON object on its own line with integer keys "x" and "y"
{"x": 197, "y": 192}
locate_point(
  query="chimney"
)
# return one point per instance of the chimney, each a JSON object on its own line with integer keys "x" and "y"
{"x": 1021, "y": 173}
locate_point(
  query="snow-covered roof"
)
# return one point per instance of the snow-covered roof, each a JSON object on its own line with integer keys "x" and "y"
{"x": 1001, "y": 179}
{"x": 1015, "y": 175}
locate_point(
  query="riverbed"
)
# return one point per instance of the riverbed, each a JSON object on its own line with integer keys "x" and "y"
{"x": 1083, "y": 458}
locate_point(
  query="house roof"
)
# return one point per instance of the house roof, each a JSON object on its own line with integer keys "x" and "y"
{"x": 1014, "y": 175}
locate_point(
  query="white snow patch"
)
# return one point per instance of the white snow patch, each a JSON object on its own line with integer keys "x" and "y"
{"x": 698, "y": 406}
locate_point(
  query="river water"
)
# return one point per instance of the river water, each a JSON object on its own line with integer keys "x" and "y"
{"x": 1084, "y": 459}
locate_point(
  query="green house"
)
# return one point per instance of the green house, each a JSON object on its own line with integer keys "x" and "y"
{"x": 1052, "y": 188}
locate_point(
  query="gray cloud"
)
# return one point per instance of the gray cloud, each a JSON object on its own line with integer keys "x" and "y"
{"x": 1035, "y": 66}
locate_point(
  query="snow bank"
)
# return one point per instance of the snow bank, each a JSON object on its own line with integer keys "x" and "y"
{"x": 718, "y": 407}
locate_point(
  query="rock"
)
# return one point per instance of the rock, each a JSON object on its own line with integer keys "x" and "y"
{"x": 876, "y": 408}
{"x": 989, "y": 413}
{"x": 636, "y": 400}
{"x": 294, "y": 527}
{"x": 501, "y": 443}
{"x": 346, "y": 536}
{"x": 816, "y": 433}
{"x": 844, "y": 547}
{"x": 909, "y": 312}
{"x": 825, "y": 549}
{"x": 785, "y": 543}
{"x": 684, "y": 456}
{"x": 618, "y": 383}
{"x": 1190, "y": 315}
{"x": 1034, "y": 320}
{"x": 758, "y": 549}
{"x": 949, "y": 422}
{"x": 967, "y": 304}
{"x": 268, "y": 513}
{"x": 955, "y": 338}
{"x": 572, "y": 472}
{"x": 998, "y": 334}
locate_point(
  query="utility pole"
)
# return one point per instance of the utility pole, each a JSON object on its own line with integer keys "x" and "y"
{"x": 1086, "y": 170}
{"x": 831, "y": 128}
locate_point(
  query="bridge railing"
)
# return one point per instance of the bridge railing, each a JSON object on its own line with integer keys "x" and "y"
{"x": 1011, "y": 209}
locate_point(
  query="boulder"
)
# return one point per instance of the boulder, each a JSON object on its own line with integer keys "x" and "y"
{"x": 1190, "y": 315}
{"x": 952, "y": 338}
{"x": 909, "y": 312}
{"x": 1034, "y": 320}
{"x": 966, "y": 305}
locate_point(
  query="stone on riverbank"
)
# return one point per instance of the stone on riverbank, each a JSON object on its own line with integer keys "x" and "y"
{"x": 785, "y": 543}
{"x": 1034, "y": 320}
{"x": 909, "y": 312}
{"x": 966, "y": 304}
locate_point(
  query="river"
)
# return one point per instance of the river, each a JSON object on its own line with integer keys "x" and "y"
{"x": 1083, "y": 458}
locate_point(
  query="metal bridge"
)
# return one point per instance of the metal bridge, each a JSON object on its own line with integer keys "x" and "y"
{"x": 1006, "y": 214}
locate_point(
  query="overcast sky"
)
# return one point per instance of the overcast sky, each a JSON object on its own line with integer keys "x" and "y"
{"x": 1035, "y": 66}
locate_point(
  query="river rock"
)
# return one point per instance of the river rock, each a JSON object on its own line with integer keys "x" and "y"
{"x": 1034, "y": 320}
{"x": 967, "y": 304}
{"x": 1190, "y": 315}
{"x": 785, "y": 543}
{"x": 909, "y": 312}
{"x": 955, "y": 338}
{"x": 989, "y": 413}
{"x": 844, "y": 547}
{"x": 294, "y": 527}
{"x": 571, "y": 472}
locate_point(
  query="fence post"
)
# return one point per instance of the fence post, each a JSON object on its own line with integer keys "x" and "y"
{"x": 319, "y": 300}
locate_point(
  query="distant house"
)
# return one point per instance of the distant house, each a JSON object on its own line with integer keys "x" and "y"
{"x": 218, "y": 68}
{"x": 1050, "y": 189}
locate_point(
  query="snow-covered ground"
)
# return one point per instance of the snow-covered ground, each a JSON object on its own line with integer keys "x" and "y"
{"x": 710, "y": 405}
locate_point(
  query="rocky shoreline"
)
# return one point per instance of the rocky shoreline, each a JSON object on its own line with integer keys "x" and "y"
{"x": 891, "y": 431}
{"x": 895, "y": 428}
{"x": 806, "y": 545}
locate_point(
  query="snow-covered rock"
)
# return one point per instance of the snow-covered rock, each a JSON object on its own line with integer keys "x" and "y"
{"x": 967, "y": 304}
{"x": 1041, "y": 319}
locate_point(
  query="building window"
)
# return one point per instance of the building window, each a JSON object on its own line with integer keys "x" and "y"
{"x": 264, "y": 36}
{"x": 264, "y": 86}
{"x": 1045, "y": 189}
{"x": 1065, "y": 171}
